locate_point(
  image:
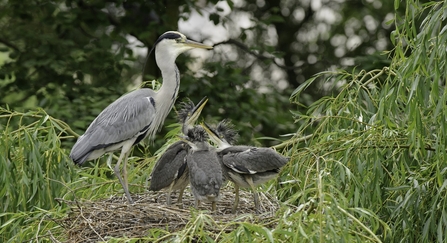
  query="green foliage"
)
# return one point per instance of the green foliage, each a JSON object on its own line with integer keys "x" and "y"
{"x": 34, "y": 171}
{"x": 378, "y": 146}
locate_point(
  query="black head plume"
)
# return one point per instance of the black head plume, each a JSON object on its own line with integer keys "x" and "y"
{"x": 173, "y": 35}
{"x": 187, "y": 107}
{"x": 225, "y": 130}
{"x": 197, "y": 134}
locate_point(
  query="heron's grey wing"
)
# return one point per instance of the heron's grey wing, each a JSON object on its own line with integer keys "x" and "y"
{"x": 253, "y": 160}
{"x": 127, "y": 117}
{"x": 170, "y": 166}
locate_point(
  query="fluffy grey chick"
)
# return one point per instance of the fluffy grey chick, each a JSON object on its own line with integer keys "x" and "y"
{"x": 205, "y": 172}
{"x": 171, "y": 171}
{"x": 245, "y": 166}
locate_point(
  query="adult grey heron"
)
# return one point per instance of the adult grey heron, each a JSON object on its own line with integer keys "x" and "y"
{"x": 205, "y": 172}
{"x": 171, "y": 170}
{"x": 138, "y": 114}
{"x": 245, "y": 166}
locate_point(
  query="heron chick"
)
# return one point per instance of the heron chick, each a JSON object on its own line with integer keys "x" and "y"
{"x": 245, "y": 166}
{"x": 205, "y": 172}
{"x": 138, "y": 114}
{"x": 171, "y": 171}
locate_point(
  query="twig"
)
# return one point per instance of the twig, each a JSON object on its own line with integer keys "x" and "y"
{"x": 245, "y": 48}
{"x": 382, "y": 71}
{"x": 52, "y": 238}
{"x": 65, "y": 126}
{"x": 292, "y": 141}
{"x": 360, "y": 223}
{"x": 62, "y": 124}
{"x": 9, "y": 44}
{"x": 88, "y": 222}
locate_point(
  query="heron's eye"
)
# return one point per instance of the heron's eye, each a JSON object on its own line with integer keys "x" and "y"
{"x": 179, "y": 40}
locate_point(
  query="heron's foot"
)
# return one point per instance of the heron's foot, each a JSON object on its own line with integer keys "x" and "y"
{"x": 168, "y": 199}
{"x": 180, "y": 203}
{"x": 130, "y": 200}
{"x": 196, "y": 204}
{"x": 234, "y": 209}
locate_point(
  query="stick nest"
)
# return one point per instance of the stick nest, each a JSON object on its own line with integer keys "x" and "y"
{"x": 93, "y": 221}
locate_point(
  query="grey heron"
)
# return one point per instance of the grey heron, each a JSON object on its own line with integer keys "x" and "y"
{"x": 245, "y": 166}
{"x": 205, "y": 172}
{"x": 138, "y": 114}
{"x": 171, "y": 171}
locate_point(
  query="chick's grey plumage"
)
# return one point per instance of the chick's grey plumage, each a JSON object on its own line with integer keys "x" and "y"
{"x": 171, "y": 170}
{"x": 247, "y": 160}
{"x": 168, "y": 166}
{"x": 205, "y": 172}
{"x": 137, "y": 114}
{"x": 245, "y": 166}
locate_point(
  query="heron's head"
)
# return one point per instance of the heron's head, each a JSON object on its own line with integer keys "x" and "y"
{"x": 216, "y": 137}
{"x": 189, "y": 113}
{"x": 173, "y": 43}
{"x": 196, "y": 138}
{"x": 225, "y": 130}
{"x": 197, "y": 134}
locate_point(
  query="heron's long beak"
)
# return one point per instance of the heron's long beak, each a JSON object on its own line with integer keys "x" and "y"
{"x": 197, "y": 45}
{"x": 196, "y": 111}
{"x": 212, "y": 134}
{"x": 185, "y": 139}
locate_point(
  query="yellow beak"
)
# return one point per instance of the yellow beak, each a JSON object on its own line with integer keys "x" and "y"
{"x": 197, "y": 110}
{"x": 197, "y": 45}
{"x": 211, "y": 133}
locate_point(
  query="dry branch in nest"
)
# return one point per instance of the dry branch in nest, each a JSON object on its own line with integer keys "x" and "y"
{"x": 93, "y": 221}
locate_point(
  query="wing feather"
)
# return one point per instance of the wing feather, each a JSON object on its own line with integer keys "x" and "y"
{"x": 253, "y": 160}
{"x": 125, "y": 118}
{"x": 170, "y": 166}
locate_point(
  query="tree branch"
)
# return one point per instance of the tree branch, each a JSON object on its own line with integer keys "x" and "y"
{"x": 113, "y": 20}
{"x": 245, "y": 48}
{"x": 9, "y": 44}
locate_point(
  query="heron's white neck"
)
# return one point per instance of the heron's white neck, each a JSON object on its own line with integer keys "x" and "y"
{"x": 166, "y": 95}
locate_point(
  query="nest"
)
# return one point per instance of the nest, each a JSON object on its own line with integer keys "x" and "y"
{"x": 93, "y": 221}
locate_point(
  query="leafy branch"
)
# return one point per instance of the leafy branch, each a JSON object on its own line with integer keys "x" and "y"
{"x": 39, "y": 114}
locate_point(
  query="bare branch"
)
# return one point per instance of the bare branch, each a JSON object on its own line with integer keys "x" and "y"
{"x": 245, "y": 48}
{"x": 9, "y": 44}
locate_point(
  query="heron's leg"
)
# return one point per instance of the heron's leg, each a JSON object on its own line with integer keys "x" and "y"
{"x": 236, "y": 199}
{"x": 168, "y": 194}
{"x": 196, "y": 203}
{"x": 213, "y": 206}
{"x": 123, "y": 156}
{"x": 255, "y": 193}
{"x": 168, "y": 197}
{"x": 129, "y": 198}
{"x": 109, "y": 161}
{"x": 180, "y": 197}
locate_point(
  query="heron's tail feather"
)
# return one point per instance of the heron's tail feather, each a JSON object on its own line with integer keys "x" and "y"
{"x": 80, "y": 151}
